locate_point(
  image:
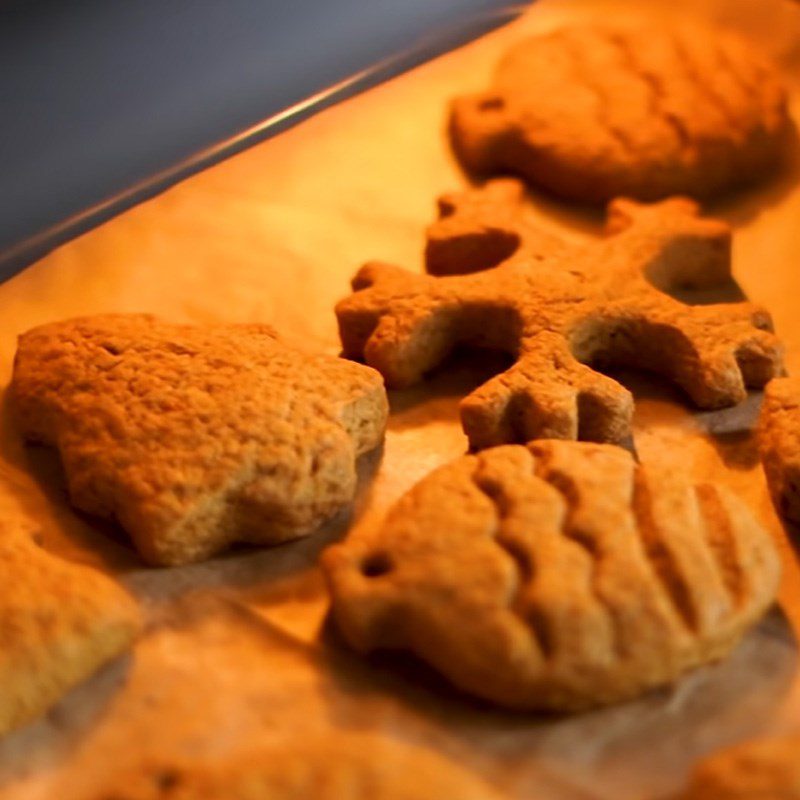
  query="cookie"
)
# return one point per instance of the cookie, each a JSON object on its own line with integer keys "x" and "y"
{"x": 767, "y": 769}
{"x": 349, "y": 767}
{"x": 196, "y": 437}
{"x": 592, "y": 112}
{"x": 59, "y": 623}
{"x": 481, "y": 228}
{"x": 562, "y": 313}
{"x": 779, "y": 444}
{"x": 558, "y": 576}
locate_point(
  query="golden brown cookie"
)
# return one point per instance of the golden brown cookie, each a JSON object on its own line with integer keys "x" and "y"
{"x": 558, "y": 308}
{"x": 598, "y": 111}
{"x": 196, "y": 437}
{"x": 779, "y": 443}
{"x": 556, "y": 576}
{"x": 348, "y": 767}
{"x": 59, "y": 623}
{"x": 481, "y": 228}
{"x": 767, "y": 769}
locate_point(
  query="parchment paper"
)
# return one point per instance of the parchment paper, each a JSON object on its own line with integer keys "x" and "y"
{"x": 239, "y": 649}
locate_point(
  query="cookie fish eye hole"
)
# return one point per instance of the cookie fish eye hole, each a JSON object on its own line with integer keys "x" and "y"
{"x": 446, "y": 207}
{"x": 167, "y": 779}
{"x": 491, "y": 104}
{"x": 376, "y": 564}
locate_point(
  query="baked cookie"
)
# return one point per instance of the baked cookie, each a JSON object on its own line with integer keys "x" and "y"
{"x": 349, "y": 767}
{"x": 559, "y": 309}
{"x": 599, "y": 111}
{"x": 779, "y": 444}
{"x": 196, "y": 437}
{"x": 556, "y": 576}
{"x": 768, "y": 769}
{"x": 59, "y": 623}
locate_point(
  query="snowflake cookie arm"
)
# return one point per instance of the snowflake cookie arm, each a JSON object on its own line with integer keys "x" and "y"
{"x": 400, "y": 323}
{"x": 547, "y": 393}
{"x": 714, "y": 353}
{"x": 669, "y": 243}
{"x": 481, "y": 228}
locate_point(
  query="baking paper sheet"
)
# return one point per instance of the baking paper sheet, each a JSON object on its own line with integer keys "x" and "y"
{"x": 239, "y": 650}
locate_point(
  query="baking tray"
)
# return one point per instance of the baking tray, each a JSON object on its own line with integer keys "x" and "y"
{"x": 93, "y": 128}
{"x": 240, "y": 649}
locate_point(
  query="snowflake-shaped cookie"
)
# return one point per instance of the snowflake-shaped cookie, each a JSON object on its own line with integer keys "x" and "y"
{"x": 562, "y": 310}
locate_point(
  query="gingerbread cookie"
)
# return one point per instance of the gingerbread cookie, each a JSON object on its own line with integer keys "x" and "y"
{"x": 779, "y": 443}
{"x": 349, "y": 767}
{"x": 768, "y": 769}
{"x": 194, "y": 438}
{"x": 558, "y": 310}
{"x": 556, "y": 576}
{"x": 59, "y": 623}
{"x": 598, "y": 111}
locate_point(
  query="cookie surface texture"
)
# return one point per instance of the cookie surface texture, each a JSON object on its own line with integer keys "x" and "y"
{"x": 779, "y": 444}
{"x": 595, "y": 112}
{"x": 351, "y": 767}
{"x": 59, "y": 623}
{"x": 556, "y": 576}
{"x": 196, "y": 437}
{"x": 557, "y": 308}
{"x": 768, "y": 769}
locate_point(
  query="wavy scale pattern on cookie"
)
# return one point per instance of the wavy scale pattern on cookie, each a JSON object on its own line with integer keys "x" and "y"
{"x": 564, "y": 311}
{"x": 196, "y": 437}
{"x": 555, "y": 576}
{"x": 595, "y": 112}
